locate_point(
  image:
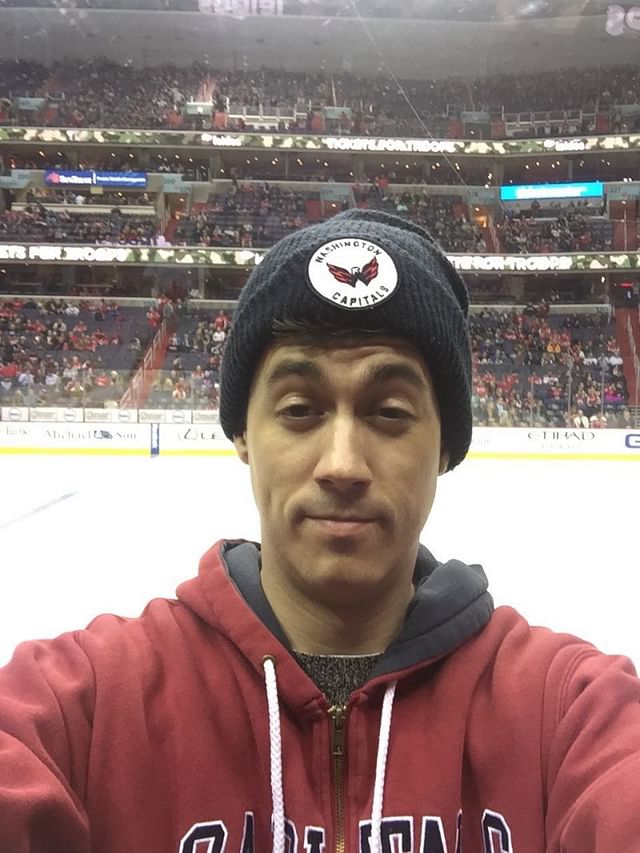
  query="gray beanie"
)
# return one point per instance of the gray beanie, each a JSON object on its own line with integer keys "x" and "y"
{"x": 371, "y": 270}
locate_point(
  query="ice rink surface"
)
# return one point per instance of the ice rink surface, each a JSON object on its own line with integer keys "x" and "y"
{"x": 81, "y": 536}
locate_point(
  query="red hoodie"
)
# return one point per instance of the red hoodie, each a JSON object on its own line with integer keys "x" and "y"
{"x": 156, "y": 733}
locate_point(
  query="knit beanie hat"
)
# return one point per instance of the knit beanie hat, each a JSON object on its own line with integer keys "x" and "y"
{"x": 366, "y": 269}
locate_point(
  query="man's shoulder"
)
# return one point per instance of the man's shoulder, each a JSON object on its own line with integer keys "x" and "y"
{"x": 540, "y": 651}
{"x": 513, "y": 636}
{"x": 528, "y": 669}
{"x": 162, "y": 627}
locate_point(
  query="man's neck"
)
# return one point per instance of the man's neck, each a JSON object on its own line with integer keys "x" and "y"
{"x": 321, "y": 628}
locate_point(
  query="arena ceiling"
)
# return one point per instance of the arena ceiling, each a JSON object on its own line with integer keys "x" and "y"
{"x": 425, "y": 49}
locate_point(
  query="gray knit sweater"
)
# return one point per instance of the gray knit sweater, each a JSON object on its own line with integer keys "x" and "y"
{"x": 337, "y": 675}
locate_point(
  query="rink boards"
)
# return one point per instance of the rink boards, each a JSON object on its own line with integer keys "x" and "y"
{"x": 207, "y": 439}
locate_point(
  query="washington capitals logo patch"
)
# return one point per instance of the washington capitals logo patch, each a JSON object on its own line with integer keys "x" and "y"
{"x": 352, "y": 273}
{"x": 366, "y": 274}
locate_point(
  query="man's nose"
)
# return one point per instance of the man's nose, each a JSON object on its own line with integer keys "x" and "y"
{"x": 342, "y": 464}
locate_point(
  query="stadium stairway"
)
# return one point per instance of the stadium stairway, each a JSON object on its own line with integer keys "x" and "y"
{"x": 491, "y": 239}
{"x": 625, "y": 236}
{"x": 139, "y": 388}
{"x": 627, "y": 318}
{"x": 624, "y": 217}
{"x": 170, "y": 230}
{"x": 206, "y": 90}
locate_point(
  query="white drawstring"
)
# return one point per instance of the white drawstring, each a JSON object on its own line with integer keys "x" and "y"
{"x": 277, "y": 791}
{"x": 275, "y": 738}
{"x": 381, "y": 766}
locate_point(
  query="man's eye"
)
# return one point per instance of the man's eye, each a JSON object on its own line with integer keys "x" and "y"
{"x": 393, "y": 413}
{"x": 297, "y": 410}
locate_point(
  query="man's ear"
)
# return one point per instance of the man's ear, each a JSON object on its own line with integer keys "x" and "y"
{"x": 242, "y": 449}
{"x": 444, "y": 460}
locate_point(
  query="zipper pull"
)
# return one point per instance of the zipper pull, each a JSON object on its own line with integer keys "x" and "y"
{"x": 337, "y": 714}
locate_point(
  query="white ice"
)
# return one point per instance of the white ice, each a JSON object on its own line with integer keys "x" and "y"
{"x": 558, "y": 540}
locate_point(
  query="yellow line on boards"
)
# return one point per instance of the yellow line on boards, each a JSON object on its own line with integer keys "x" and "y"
{"x": 474, "y": 454}
{"x": 74, "y": 451}
{"x": 584, "y": 457}
{"x": 604, "y": 457}
{"x": 227, "y": 451}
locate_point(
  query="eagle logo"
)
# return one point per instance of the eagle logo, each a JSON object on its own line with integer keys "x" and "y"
{"x": 366, "y": 274}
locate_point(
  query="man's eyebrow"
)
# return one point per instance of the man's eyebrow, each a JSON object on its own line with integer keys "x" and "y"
{"x": 307, "y": 369}
{"x": 403, "y": 372}
{"x": 289, "y": 367}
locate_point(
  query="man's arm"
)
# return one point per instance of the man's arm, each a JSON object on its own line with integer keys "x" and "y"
{"x": 46, "y": 709}
{"x": 592, "y": 732}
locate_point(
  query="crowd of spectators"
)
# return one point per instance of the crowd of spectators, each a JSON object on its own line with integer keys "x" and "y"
{"x": 38, "y": 224}
{"x": 21, "y": 78}
{"x": 552, "y": 209}
{"x": 101, "y": 94}
{"x": 380, "y": 106}
{"x": 371, "y": 106}
{"x": 57, "y": 353}
{"x": 78, "y": 197}
{"x": 530, "y": 367}
{"x": 445, "y": 217}
{"x": 256, "y": 215}
{"x": 525, "y": 364}
{"x": 570, "y": 88}
{"x": 536, "y": 369}
{"x": 50, "y": 159}
{"x": 570, "y": 232}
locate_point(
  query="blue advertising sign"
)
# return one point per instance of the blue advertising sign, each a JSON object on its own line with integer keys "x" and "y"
{"x": 121, "y": 179}
{"x": 529, "y": 192}
{"x": 86, "y": 178}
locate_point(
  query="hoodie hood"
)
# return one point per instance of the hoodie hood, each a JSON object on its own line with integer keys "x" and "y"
{"x": 450, "y": 605}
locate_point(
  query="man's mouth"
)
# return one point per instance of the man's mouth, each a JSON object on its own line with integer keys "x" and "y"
{"x": 349, "y": 525}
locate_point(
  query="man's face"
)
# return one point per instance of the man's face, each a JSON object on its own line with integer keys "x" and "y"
{"x": 344, "y": 448}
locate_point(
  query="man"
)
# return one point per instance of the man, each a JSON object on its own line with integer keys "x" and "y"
{"x": 336, "y": 688}
{"x": 580, "y": 420}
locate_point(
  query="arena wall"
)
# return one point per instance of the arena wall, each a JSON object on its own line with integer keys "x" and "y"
{"x": 139, "y": 433}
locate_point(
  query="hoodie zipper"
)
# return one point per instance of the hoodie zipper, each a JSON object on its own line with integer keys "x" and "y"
{"x": 338, "y": 715}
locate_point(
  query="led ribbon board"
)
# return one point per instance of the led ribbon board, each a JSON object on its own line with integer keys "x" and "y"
{"x": 539, "y": 192}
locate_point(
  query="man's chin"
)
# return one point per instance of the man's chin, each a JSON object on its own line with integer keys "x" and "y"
{"x": 344, "y": 576}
